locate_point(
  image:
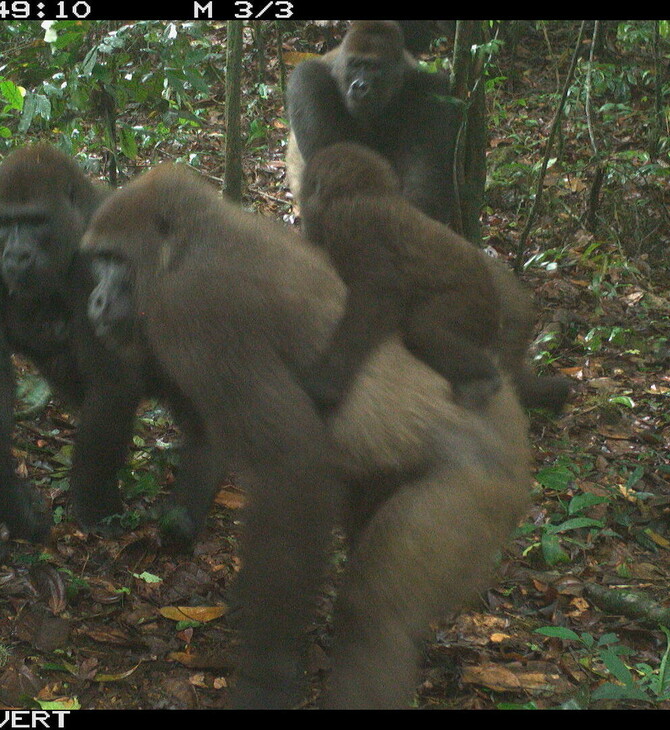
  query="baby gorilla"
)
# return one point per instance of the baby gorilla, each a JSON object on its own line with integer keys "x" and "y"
{"x": 404, "y": 272}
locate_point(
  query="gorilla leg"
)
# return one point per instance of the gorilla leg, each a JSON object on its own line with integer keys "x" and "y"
{"x": 294, "y": 503}
{"x": 103, "y": 434}
{"x": 426, "y": 552}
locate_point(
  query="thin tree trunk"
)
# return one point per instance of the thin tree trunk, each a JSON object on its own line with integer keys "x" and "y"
{"x": 554, "y": 126}
{"x": 232, "y": 181}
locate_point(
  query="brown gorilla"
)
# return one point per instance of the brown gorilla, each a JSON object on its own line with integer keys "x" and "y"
{"x": 404, "y": 272}
{"x": 371, "y": 91}
{"x": 227, "y": 312}
{"x": 456, "y": 308}
{"x": 46, "y": 202}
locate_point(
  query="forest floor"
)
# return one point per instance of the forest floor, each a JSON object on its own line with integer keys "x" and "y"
{"x": 98, "y": 623}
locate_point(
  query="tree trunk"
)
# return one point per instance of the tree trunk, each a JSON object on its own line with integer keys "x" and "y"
{"x": 232, "y": 181}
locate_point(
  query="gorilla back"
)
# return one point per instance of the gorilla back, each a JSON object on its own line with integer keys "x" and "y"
{"x": 229, "y": 311}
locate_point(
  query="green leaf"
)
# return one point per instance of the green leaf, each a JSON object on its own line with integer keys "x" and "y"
{"x": 555, "y": 477}
{"x": 552, "y": 551}
{"x": 574, "y": 524}
{"x": 147, "y": 577}
{"x": 616, "y": 667}
{"x": 580, "y": 502}
{"x": 128, "y": 143}
{"x": 89, "y": 62}
{"x": 558, "y": 632}
{"x": 33, "y": 394}
{"x": 12, "y": 94}
{"x": 609, "y": 691}
{"x": 181, "y": 625}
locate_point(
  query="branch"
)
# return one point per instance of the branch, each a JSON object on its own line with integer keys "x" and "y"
{"x": 554, "y": 126}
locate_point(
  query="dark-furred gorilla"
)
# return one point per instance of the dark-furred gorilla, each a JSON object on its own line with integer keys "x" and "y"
{"x": 404, "y": 272}
{"x": 228, "y": 311}
{"x": 46, "y": 203}
{"x": 369, "y": 90}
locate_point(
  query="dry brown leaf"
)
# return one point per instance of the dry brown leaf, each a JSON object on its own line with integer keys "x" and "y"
{"x": 108, "y": 636}
{"x": 193, "y": 613}
{"x": 512, "y": 677}
{"x": 575, "y": 184}
{"x": 115, "y": 677}
{"x": 230, "y": 497}
{"x": 498, "y": 638}
{"x": 645, "y": 571}
{"x": 203, "y": 660}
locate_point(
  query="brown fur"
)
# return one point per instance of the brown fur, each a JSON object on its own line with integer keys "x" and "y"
{"x": 369, "y": 90}
{"x": 404, "y": 271}
{"x": 46, "y": 202}
{"x": 225, "y": 299}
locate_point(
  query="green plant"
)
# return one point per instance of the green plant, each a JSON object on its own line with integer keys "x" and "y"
{"x": 606, "y": 656}
{"x": 75, "y": 585}
{"x": 84, "y": 77}
{"x": 12, "y": 97}
{"x": 569, "y": 520}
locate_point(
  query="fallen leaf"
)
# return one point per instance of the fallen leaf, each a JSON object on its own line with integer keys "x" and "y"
{"x": 658, "y": 539}
{"x": 62, "y": 703}
{"x": 230, "y": 497}
{"x": 512, "y": 677}
{"x": 193, "y": 613}
{"x": 115, "y": 677}
{"x": 109, "y": 636}
{"x": 498, "y": 638}
{"x": 203, "y": 660}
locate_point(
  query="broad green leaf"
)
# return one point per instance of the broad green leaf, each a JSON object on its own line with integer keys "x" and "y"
{"x": 555, "y": 477}
{"x": 574, "y": 524}
{"x": 609, "y": 691}
{"x": 583, "y": 501}
{"x": 12, "y": 94}
{"x": 552, "y": 551}
{"x": 128, "y": 143}
{"x": 558, "y": 632}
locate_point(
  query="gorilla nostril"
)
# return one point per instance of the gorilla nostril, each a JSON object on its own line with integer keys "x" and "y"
{"x": 97, "y": 305}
